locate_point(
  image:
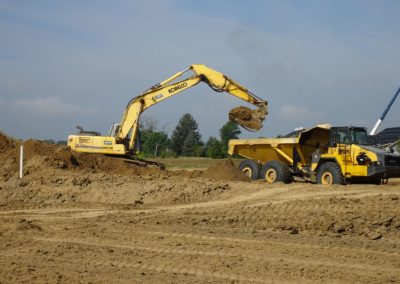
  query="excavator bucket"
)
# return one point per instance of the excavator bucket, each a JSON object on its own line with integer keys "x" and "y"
{"x": 247, "y": 118}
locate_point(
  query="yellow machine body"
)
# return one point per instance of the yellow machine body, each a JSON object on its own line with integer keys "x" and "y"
{"x": 96, "y": 144}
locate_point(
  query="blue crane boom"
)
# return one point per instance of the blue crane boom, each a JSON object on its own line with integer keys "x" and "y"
{"x": 382, "y": 117}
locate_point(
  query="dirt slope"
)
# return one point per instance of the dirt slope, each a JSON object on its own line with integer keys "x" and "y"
{"x": 42, "y": 159}
{"x": 86, "y": 222}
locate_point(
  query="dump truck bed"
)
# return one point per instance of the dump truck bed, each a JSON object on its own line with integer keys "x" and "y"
{"x": 262, "y": 149}
{"x": 283, "y": 149}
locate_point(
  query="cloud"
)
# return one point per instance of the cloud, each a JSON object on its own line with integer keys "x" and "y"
{"x": 47, "y": 107}
{"x": 301, "y": 114}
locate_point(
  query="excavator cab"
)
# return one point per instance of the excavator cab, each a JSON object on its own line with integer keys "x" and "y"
{"x": 114, "y": 129}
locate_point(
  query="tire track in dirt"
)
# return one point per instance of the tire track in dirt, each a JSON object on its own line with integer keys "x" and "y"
{"x": 48, "y": 211}
{"x": 286, "y": 243}
{"x": 271, "y": 196}
{"x": 177, "y": 267}
{"x": 256, "y": 257}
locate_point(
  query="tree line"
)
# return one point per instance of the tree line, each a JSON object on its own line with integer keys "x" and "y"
{"x": 185, "y": 140}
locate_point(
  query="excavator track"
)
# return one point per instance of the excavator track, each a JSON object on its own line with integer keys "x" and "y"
{"x": 139, "y": 162}
{"x": 144, "y": 163}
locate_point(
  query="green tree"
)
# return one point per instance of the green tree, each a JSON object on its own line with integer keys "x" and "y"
{"x": 153, "y": 142}
{"x": 189, "y": 145}
{"x": 186, "y": 125}
{"x": 229, "y": 131}
{"x": 199, "y": 151}
{"x": 215, "y": 149}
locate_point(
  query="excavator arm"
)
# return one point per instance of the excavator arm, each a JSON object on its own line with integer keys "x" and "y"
{"x": 249, "y": 119}
{"x": 130, "y": 121}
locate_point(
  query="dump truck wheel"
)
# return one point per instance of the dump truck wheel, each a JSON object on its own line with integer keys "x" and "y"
{"x": 276, "y": 171}
{"x": 250, "y": 169}
{"x": 330, "y": 173}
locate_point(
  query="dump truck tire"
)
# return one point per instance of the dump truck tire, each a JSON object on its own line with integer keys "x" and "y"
{"x": 276, "y": 171}
{"x": 250, "y": 169}
{"x": 330, "y": 173}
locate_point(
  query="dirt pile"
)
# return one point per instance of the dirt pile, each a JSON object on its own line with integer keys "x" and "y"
{"x": 6, "y": 143}
{"x": 225, "y": 170}
{"x": 61, "y": 157}
{"x": 42, "y": 157}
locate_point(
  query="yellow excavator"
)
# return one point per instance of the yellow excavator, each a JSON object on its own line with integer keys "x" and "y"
{"x": 122, "y": 137}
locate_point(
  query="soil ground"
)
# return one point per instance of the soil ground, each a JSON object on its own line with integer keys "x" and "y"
{"x": 86, "y": 218}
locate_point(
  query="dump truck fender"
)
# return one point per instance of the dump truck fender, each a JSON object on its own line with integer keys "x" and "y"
{"x": 321, "y": 161}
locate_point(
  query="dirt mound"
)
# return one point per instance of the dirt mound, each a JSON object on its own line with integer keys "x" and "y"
{"x": 225, "y": 170}
{"x": 40, "y": 157}
{"x": 61, "y": 157}
{"x": 6, "y": 143}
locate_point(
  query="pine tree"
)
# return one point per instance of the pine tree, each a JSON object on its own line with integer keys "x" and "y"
{"x": 229, "y": 131}
{"x": 189, "y": 145}
{"x": 186, "y": 125}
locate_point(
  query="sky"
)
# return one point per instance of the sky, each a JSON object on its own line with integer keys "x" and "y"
{"x": 68, "y": 63}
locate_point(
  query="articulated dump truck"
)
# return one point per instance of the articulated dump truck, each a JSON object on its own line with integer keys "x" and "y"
{"x": 322, "y": 154}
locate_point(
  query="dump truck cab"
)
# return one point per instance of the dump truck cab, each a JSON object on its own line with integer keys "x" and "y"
{"x": 322, "y": 154}
{"x": 349, "y": 149}
{"x": 348, "y": 135}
